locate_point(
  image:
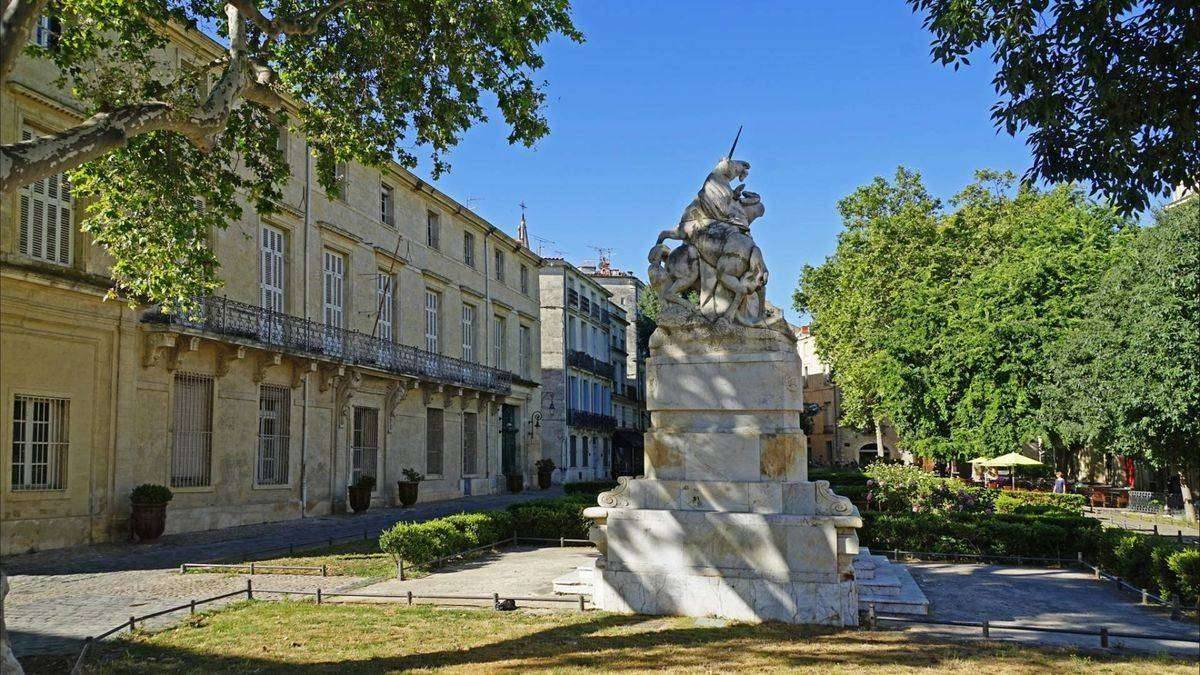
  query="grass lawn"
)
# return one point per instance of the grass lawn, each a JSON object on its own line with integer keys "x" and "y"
{"x": 360, "y": 558}
{"x": 269, "y": 637}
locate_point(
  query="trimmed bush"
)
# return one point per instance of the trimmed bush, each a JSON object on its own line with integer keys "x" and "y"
{"x": 589, "y": 487}
{"x": 419, "y": 543}
{"x": 1185, "y": 569}
{"x": 838, "y": 477}
{"x": 1033, "y": 503}
{"x": 1150, "y": 562}
{"x": 982, "y": 534}
{"x": 553, "y": 518}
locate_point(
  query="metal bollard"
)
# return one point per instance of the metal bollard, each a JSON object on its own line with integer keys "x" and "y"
{"x": 249, "y": 589}
{"x": 318, "y": 596}
{"x": 986, "y": 632}
{"x": 1104, "y": 637}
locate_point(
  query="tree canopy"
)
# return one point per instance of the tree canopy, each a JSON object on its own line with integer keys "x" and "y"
{"x": 1126, "y": 375}
{"x": 1108, "y": 92}
{"x": 940, "y": 319}
{"x": 164, "y": 156}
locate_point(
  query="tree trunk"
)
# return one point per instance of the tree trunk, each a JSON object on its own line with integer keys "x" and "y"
{"x": 878, "y": 438}
{"x": 1185, "y": 491}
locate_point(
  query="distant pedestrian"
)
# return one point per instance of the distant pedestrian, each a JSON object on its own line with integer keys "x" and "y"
{"x": 1060, "y": 483}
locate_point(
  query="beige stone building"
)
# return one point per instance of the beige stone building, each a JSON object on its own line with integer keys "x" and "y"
{"x": 386, "y": 329}
{"x": 830, "y": 443}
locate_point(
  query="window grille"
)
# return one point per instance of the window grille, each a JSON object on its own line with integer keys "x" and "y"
{"x": 46, "y": 215}
{"x": 433, "y": 305}
{"x": 274, "y": 414}
{"x": 470, "y": 443}
{"x": 40, "y": 441}
{"x": 387, "y": 211}
{"x": 468, "y": 333}
{"x": 433, "y": 230}
{"x": 384, "y": 296}
{"x": 469, "y": 249}
{"x": 365, "y": 444}
{"x": 499, "y": 349}
{"x": 191, "y": 443}
{"x": 433, "y": 441}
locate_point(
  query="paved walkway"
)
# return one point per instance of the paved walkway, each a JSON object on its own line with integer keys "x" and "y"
{"x": 1146, "y": 523}
{"x": 1049, "y": 598}
{"x": 59, "y": 597}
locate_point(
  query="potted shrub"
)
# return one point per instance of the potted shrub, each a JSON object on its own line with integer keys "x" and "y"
{"x": 407, "y": 488}
{"x": 360, "y": 493}
{"x": 515, "y": 482}
{"x": 545, "y": 472}
{"x": 149, "y": 518}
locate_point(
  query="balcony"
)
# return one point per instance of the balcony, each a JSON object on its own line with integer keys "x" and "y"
{"x": 572, "y": 297}
{"x": 267, "y": 328}
{"x": 582, "y": 419}
{"x": 589, "y": 363}
{"x": 585, "y": 305}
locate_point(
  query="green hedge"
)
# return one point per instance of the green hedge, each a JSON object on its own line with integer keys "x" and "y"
{"x": 1163, "y": 567}
{"x": 855, "y": 493}
{"x": 589, "y": 487}
{"x": 838, "y": 476}
{"x": 1028, "y": 502}
{"x": 419, "y": 543}
{"x": 982, "y": 533}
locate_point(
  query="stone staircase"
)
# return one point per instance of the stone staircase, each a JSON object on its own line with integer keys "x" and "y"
{"x": 576, "y": 582}
{"x": 888, "y": 586}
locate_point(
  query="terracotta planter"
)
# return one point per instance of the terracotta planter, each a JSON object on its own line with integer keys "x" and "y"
{"x": 515, "y": 482}
{"x": 544, "y": 479}
{"x": 360, "y": 498}
{"x": 149, "y": 521}
{"x": 407, "y": 491}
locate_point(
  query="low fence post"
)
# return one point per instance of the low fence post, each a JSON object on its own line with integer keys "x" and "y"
{"x": 410, "y": 597}
{"x": 871, "y": 617}
{"x": 1175, "y": 609}
{"x": 986, "y": 632}
{"x": 1079, "y": 557}
{"x": 1179, "y": 535}
{"x": 400, "y": 569}
{"x": 1104, "y": 637}
{"x": 249, "y": 589}
{"x": 1145, "y": 597}
{"x": 582, "y": 607}
{"x": 192, "y": 607}
{"x": 318, "y": 596}
{"x": 495, "y": 600}
{"x": 132, "y": 623}
{"x": 324, "y": 570}
{"x": 516, "y": 540}
{"x": 183, "y": 568}
{"x": 251, "y": 567}
{"x": 1097, "y": 571}
{"x": 1156, "y": 529}
{"x": 562, "y": 542}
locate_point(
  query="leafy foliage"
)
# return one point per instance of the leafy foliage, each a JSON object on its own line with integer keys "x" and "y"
{"x": 150, "y": 493}
{"x": 1040, "y": 503}
{"x": 589, "y": 487}
{"x": 412, "y": 475}
{"x": 370, "y": 82}
{"x": 1105, "y": 90}
{"x": 941, "y": 321}
{"x": 983, "y": 534}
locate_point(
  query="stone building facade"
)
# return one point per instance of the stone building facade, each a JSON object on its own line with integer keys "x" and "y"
{"x": 830, "y": 443}
{"x": 362, "y": 334}
{"x": 580, "y": 371}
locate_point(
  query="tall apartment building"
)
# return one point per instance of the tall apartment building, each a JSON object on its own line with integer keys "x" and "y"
{"x": 579, "y": 371}
{"x": 830, "y": 443}
{"x": 629, "y": 393}
{"x": 362, "y": 334}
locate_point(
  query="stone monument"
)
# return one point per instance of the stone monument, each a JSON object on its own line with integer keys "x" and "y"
{"x": 725, "y": 522}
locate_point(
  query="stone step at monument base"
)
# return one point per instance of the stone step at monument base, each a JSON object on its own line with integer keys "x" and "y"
{"x": 891, "y": 588}
{"x": 576, "y": 582}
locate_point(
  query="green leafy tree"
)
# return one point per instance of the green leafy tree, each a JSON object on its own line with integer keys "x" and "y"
{"x": 940, "y": 320}
{"x": 163, "y": 157}
{"x": 1126, "y": 376}
{"x": 649, "y": 305}
{"x": 1105, "y": 91}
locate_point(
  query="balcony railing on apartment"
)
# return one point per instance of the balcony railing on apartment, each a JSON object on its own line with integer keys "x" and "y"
{"x": 585, "y": 305}
{"x": 572, "y": 297}
{"x": 239, "y": 320}
{"x": 589, "y": 420}
{"x": 589, "y": 363}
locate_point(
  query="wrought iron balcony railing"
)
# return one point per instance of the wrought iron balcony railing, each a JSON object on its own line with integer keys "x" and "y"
{"x": 589, "y": 420}
{"x": 589, "y": 363}
{"x": 239, "y": 320}
{"x": 572, "y": 297}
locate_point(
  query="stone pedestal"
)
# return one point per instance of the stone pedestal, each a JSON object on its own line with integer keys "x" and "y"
{"x": 725, "y": 523}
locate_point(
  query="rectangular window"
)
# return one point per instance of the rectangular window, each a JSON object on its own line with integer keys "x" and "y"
{"x": 281, "y": 139}
{"x": 499, "y": 265}
{"x": 571, "y": 332}
{"x": 385, "y": 296}
{"x": 341, "y": 179}
{"x": 191, "y": 434}
{"x": 274, "y": 406}
{"x": 40, "y": 440}
{"x": 469, "y": 249}
{"x": 387, "y": 205}
{"x": 46, "y": 216}
{"x": 433, "y": 308}
{"x": 468, "y": 333}
{"x": 595, "y": 397}
{"x": 433, "y": 230}
{"x": 586, "y": 401}
{"x": 470, "y": 441}
{"x": 574, "y": 452}
{"x": 335, "y": 279}
{"x": 525, "y": 345}
{"x": 499, "y": 348}
{"x": 42, "y": 31}
{"x": 270, "y": 268}
{"x": 572, "y": 388}
{"x": 364, "y": 448}
{"x": 433, "y": 441}
{"x": 525, "y": 280}
{"x": 585, "y": 451}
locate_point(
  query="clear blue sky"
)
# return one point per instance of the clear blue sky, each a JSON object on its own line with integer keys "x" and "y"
{"x": 831, "y": 95}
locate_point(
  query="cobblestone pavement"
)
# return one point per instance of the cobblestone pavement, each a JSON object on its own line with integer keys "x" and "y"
{"x": 59, "y": 597}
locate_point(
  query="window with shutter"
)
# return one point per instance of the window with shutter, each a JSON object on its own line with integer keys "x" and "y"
{"x": 384, "y": 296}
{"x": 45, "y": 230}
{"x": 470, "y": 437}
{"x": 468, "y": 333}
{"x": 433, "y": 305}
{"x": 270, "y": 268}
{"x": 433, "y": 441}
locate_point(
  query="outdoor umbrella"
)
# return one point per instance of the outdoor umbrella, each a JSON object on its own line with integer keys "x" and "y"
{"x": 978, "y": 460}
{"x": 1012, "y": 460}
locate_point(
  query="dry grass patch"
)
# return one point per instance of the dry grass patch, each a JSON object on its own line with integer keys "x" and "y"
{"x": 270, "y": 637}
